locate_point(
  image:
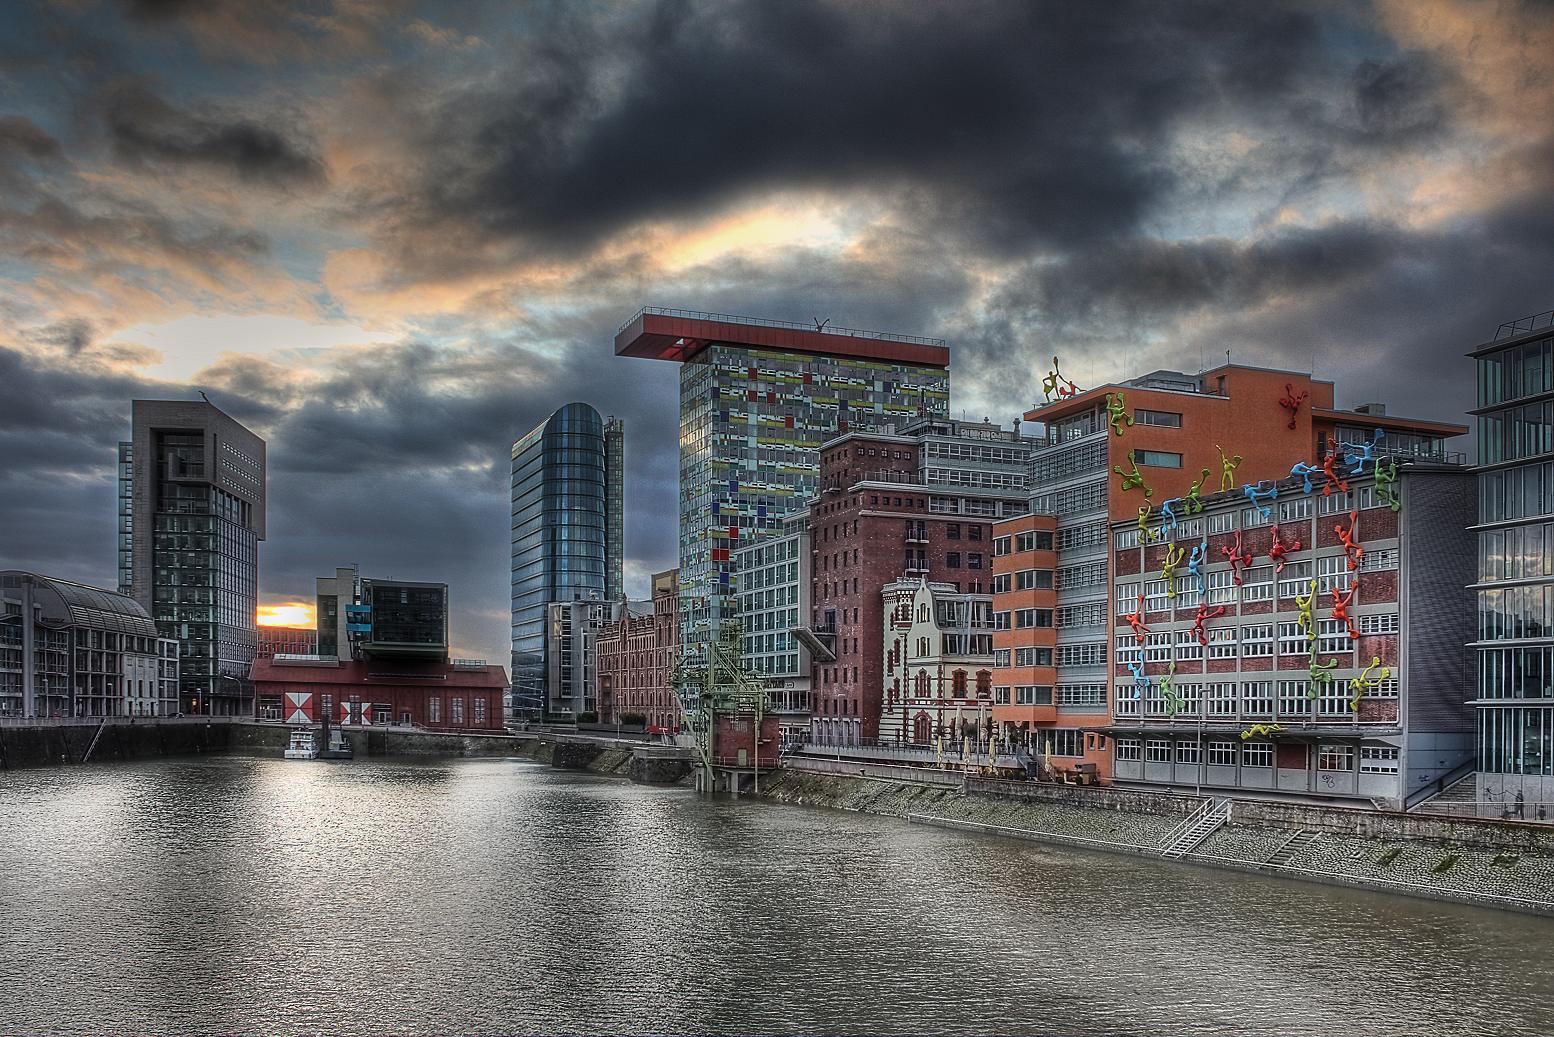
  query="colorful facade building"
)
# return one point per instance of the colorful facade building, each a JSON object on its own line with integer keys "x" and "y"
{"x": 757, "y": 399}
{"x": 938, "y": 674}
{"x": 1168, "y": 439}
{"x": 464, "y": 695}
{"x": 878, "y": 520}
{"x": 1514, "y": 584}
{"x": 1310, "y": 644}
{"x": 635, "y": 656}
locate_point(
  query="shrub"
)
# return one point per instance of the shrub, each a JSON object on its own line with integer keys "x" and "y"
{"x": 1446, "y": 863}
{"x": 1390, "y": 856}
{"x": 634, "y": 719}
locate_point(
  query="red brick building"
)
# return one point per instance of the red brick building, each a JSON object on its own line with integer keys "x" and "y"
{"x": 287, "y": 641}
{"x": 636, "y": 656}
{"x": 435, "y": 695}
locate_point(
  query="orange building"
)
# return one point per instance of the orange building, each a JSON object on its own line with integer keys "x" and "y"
{"x": 1024, "y": 639}
{"x": 1160, "y": 440}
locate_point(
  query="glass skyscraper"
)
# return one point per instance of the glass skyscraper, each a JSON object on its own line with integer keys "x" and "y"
{"x": 1516, "y": 569}
{"x": 757, "y": 398}
{"x": 566, "y": 507}
{"x": 191, "y": 513}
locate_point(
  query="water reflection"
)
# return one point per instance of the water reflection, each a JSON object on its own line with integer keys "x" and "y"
{"x": 248, "y": 895}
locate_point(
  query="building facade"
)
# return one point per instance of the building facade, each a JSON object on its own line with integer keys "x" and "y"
{"x": 275, "y": 640}
{"x": 566, "y": 503}
{"x": 1027, "y": 698}
{"x": 1514, "y": 583}
{"x": 938, "y": 676}
{"x": 1314, "y": 647}
{"x": 1168, "y": 439}
{"x": 571, "y": 666}
{"x": 757, "y": 399}
{"x": 69, "y": 650}
{"x": 774, "y": 585}
{"x": 190, "y": 543}
{"x": 635, "y": 657}
{"x": 361, "y": 617}
{"x": 464, "y": 695}
{"x": 876, "y": 521}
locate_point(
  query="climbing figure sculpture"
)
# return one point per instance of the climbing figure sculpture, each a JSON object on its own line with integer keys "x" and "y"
{"x": 1239, "y": 558}
{"x": 1290, "y": 402}
{"x": 1358, "y": 686}
{"x": 1200, "y": 553}
{"x": 1228, "y": 466}
{"x": 1328, "y": 469}
{"x": 1136, "y": 478}
{"x": 1352, "y": 548}
{"x": 1173, "y": 558}
{"x": 1304, "y": 472}
{"x": 1279, "y": 550}
{"x": 1362, "y": 453}
{"x": 1193, "y": 501}
{"x": 1146, "y": 535}
{"x": 1169, "y": 515}
{"x": 1256, "y": 494}
{"x": 1341, "y": 603}
{"x": 1318, "y": 674}
{"x": 1136, "y": 621}
{"x": 1386, "y": 478}
{"x": 1116, "y": 412}
{"x": 1199, "y": 632}
{"x": 1055, "y": 383}
{"x": 1304, "y": 604}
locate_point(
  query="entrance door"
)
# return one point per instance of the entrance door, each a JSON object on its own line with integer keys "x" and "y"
{"x": 921, "y": 727}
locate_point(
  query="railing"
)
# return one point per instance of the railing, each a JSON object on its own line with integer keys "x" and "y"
{"x": 1440, "y": 785}
{"x": 761, "y": 322}
{"x": 1513, "y": 328}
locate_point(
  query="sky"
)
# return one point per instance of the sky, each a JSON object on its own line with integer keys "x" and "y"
{"x": 392, "y": 236}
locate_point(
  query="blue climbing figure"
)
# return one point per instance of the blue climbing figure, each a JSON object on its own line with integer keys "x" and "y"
{"x": 1257, "y": 495}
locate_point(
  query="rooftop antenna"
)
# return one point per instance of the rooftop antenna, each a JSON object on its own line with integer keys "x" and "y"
{"x": 820, "y": 325}
{"x": 204, "y": 397}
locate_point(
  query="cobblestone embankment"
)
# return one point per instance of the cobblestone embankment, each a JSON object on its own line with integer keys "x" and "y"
{"x": 1469, "y": 869}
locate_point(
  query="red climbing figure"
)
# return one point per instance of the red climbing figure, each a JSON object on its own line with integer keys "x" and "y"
{"x": 1239, "y": 559}
{"x": 1136, "y": 621}
{"x": 1351, "y": 547}
{"x": 1328, "y": 462}
{"x": 1291, "y": 402}
{"x": 1279, "y": 550}
{"x": 1204, "y": 614}
{"x": 1341, "y": 603}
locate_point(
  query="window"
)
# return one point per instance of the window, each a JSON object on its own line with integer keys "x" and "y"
{"x": 1025, "y": 619}
{"x": 1186, "y": 752}
{"x": 1292, "y": 699}
{"x": 1380, "y": 559}
{"x": 1191, "y": 696}
{"x": 952, "y": 531}
{"x": 1156, "y": 598}
{"x": 1091, "y": 614}
{"x": 434, "y": 710}
{"x": 1387, "y": 689}
{"x": 1032, "y": 540}
{"x": 1163, "y": 418}
{"x": 1000, "y": 583}
{"x": 1128, "y": 649}
{"x": 1385, "y": 623}
{"x": 1081, "y": 694}
{"x": 1258, "y": 583}
{"x": 1159, "y": 459}
{"x": 1190, "y": 529}
{"x": 1376, "y": 759}
{"x": 973, "y": 532}
{"x": 1257, "y": 698}
{"x": 1157, "y": 750}
{"x": 974, "y": 560}
{"x": 1027, "y": 579}
{"x": 1295, "y": 579}
{"x": 1157, "y": 648}
{"x": 1001, "y": 621}
{"x": 1187, "y": 647}
{"x": 1222, "y": 754}
{"x": 1222, "y": 587}
{"x": 1251, "y": 518}
{"x": 952, "y": 560}
{"x": 1127, "y": 598}
{"x": 1222, "y": 643}
{"x": 1033, "y": 657}
{"x": 1257, "y": 754}
{"x": 1001, "y": 657}
{"x": 1257, "y": 641}
{"x": 1222, "y": 700}
{"x": 1033, "y": 695}
{"x": 1000, "y": 546}
{"x": 1224, "y": 522}
{"x": 1292, "y": 639}
{"x": 1127, "y": 539}
{"x": 1335, "y": 757}
{"x": 1332, "y": 636}
{"x": 480, "y": 711}
{"x": 1186, "y": 592}
{"x": 1001, "y": 696}
{"x": 1128, "y": 749}
{"x": 1090, "y": 654}
{"x": 1293, "y": 510}
{"x": 1333, "y": 571}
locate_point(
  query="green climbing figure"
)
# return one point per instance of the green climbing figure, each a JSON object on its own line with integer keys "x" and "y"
{"x": 1260, "y": 729}
{"x": 1228, "y": 466}
{"x": 1116, "y": 412}
{"x": 1173, "y": 557}
{"x": 1358, "y": 686}
{"x": 1173, "y": 701}
{"x": 1318, "y": 674}
{"x": 1146, "y": 535}
{"x": 1055, "y": 383}
{"x": 1193, "y": 503}
{"x": 1135, "y": 479}
{"x": 1306, "y": 622}
{"x": 1386, "y": 476}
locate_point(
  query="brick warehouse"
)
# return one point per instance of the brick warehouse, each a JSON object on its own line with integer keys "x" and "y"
{"x": 439, "y": 696}
{"x": 1103, "y": 447}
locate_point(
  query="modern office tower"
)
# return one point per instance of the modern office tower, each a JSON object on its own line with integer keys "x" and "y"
{"x": 1514, "y": 703}
{"x": 635, "y": 655}
{"x": 1164, "y": 432}
{"x": 565, "y": 503}
{"x": 615, "y": 509}
{"x": 1328, "y": 661}
{"x": 878, "y": 519}
{"x": 757, "y": 398}
{"x": 774, "y": 586}
{"x": 67, "y": 649}
{"x": 360, "y": 617}
{"x": 197, "y": 502}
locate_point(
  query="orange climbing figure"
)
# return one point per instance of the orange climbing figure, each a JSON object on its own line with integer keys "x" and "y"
{"x": 1341, "y": 603}
{"x": 1279, "y": 550}
{"x": 1239, "y": 559}
{"x": 1198, "y": 632}
{"x": 1291, "y": 402}
{"x": 1330, "y": 470}
{"x": 1136, "y": 621}
{"x": 1352, "y": 548}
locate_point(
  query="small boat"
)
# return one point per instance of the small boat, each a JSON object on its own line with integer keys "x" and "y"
{"x": 301, "y": 746}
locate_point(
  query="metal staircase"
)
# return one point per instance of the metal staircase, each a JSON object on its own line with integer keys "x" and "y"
{"x": 1201, "y": 824}
{"x": 1290, "y": 847}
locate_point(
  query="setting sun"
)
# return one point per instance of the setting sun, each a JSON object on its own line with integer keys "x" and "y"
{"x": 292, "y": 614}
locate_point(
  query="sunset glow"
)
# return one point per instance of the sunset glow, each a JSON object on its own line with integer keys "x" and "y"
{"x": 292, "y": 614}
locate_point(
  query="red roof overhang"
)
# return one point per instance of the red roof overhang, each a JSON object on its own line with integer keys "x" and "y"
{"x": 657, "y": 336}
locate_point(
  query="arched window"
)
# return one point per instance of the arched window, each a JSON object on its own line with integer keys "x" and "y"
{"x": 920, "y": 684}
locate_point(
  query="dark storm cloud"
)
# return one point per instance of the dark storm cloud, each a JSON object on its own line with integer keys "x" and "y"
{"x": 146, "y": 129}
{"x": 1004, "y": 124}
